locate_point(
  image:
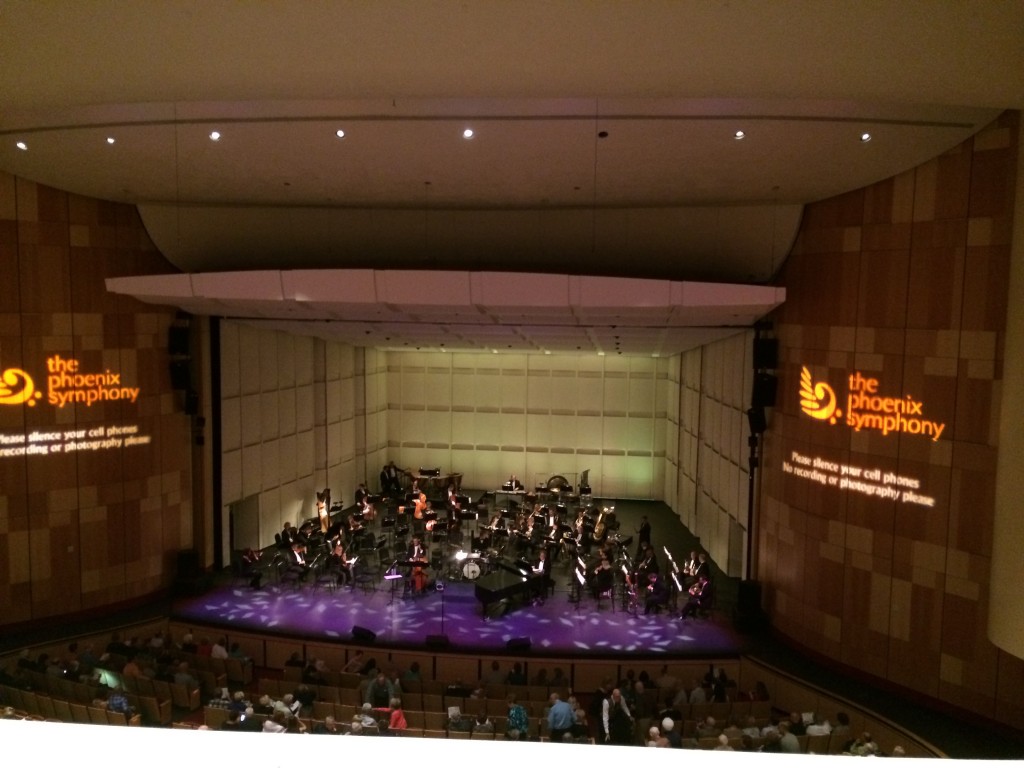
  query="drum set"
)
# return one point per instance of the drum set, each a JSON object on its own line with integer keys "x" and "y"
{"x": 470, "y": 566}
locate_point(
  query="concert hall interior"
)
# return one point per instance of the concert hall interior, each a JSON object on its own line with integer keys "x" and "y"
{"x": 406, "y": 326}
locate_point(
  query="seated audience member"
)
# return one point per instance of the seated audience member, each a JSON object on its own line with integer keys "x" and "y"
{"x": 329, "y": 727}
{"x": 276, "y": 723}
{"x": 820, "y": 726}
{"x": 482, "y": 724}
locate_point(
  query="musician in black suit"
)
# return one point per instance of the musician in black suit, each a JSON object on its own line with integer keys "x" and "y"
{"x": 643, "y": 535}
{"x": 361, "y": 493}
{"x": 657, "y": 593}
{"x": 700, "y": 597}
{"x": 602, "y": 579}
{"x": 542, "y": 569}
{"x": 389, "y": 479}
{"x": 646, "y": 564}
{"x": 415, "y": 552}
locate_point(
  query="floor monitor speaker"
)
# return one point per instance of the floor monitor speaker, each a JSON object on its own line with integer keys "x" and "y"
{"x": 363, "y": 635}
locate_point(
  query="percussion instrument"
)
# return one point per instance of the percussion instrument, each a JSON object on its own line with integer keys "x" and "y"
{"x": 471, "y": 570}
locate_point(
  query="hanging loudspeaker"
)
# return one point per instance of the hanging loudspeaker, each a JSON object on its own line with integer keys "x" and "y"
{"x": 766, "y": 354}
{"x": 765, "y": 387}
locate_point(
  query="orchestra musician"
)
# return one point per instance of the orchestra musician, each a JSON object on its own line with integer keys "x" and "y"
{"x": 420, "y": 502}
{"x": 298, "y": 562}
{"x": 703, "y": 567}
{"x": 690, "y": 567}
{"x": 514, "y": 484}
{"x": 415, "y": 553}
{"x": 700, "y": 597}
{"x": 542, "y": 568}
{"x": 367, "y": 508}
{"x": 341, "y": 564}
{"x": 390, "y": 480}
{"x": 657, "y": 593}
{"x": 601, "y": 580}
{"x": 646, "y": 564}
{"x": 643, "y": 535}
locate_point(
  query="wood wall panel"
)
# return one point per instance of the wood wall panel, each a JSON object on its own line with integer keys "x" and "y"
{"x": 910, "y": 603}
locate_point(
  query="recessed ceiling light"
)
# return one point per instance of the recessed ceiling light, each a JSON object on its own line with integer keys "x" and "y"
{"x": 21, "y": 145}
{"x": 339, "y": 133}
{"x": 865, "y": 137}
{"x": 739, "y": 135}
{"x": 467, "y": 133}
{"x": 111, "y": 139}
{"x": 215, "y": 136}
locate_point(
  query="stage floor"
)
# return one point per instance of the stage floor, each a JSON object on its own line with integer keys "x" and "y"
{"x": 559, "y": 626}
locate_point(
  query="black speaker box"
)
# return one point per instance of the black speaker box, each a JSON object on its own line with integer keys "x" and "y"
{"x": 518, "y": 644}
{"x": 177, "y": 340}
{"x": 749, "y": 616}
{"x": 181, "y": 374}
{"x": 188, "y": 564}
{"x": 766, "y": 354}
{"x": 363, "y": 635}
{"x": 758, "y": 423}
{"x": 748, "y": 598}
{"x": 437, "y": 642}
{"x": 765, "y": 388}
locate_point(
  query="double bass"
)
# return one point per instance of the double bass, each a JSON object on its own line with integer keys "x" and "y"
{"x": 419, "y": 573}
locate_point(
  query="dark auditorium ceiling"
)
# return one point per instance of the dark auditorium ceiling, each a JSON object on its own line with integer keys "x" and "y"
{"x": 604, "y": 132}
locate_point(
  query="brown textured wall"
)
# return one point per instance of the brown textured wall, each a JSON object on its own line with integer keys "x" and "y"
{"x": 905, "y": 281}
{"x": 88, "y": 529}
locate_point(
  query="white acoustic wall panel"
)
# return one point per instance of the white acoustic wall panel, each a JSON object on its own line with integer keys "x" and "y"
{"x": 252, "y": 465}
{"x": 231, "y": 476}
{"x": 248, "y": 356}
{"x": 230, "y": 362}
{"x": 304, "y": 408}
{"x": 252, "y": 421}
{"x": 271, "y": 469}
{"x": 287, "y": 354}
{"x": 289, "y": 469}
{"x": 270, "y": 428}
{"x": 269, "y": 364}
{"x": 332, "y": 399}
{"x": 286, "y": 405}
{"x": 231, "y": 424}
{"x": 304, "y": 355}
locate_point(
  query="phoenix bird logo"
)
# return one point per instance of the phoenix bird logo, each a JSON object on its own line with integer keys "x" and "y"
{"x": 817, "y": 400}
{"x": 17, "y": 387}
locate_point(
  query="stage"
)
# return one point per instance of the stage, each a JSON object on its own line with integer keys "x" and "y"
{"x": 561, "y": 625}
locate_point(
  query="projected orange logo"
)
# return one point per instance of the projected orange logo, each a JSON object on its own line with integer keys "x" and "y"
{"x": 817, "y": 400}
{"x": 17, "y": 387}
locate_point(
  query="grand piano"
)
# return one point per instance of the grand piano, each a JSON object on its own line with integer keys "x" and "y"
{"x": 510, "y": 581}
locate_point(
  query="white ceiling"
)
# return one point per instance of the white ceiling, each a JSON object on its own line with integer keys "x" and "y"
{"x": 667, "y": 194}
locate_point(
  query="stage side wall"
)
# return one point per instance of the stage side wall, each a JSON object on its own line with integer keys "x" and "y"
{"x": 905, "y": 282}
{"x": 81, "y": 529}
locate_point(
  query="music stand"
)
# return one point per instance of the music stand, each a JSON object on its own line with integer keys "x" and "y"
{"x": 394, "y": 576}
